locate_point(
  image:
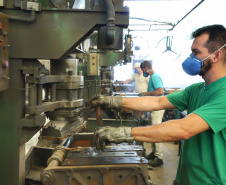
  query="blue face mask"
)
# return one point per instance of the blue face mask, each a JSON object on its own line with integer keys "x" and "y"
{"x": 192, "y": 65}
{"x": 145, "y": 74}
{"x": 136, "y": 71}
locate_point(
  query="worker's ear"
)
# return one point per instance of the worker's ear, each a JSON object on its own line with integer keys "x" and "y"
{"x": 218, "y": 55}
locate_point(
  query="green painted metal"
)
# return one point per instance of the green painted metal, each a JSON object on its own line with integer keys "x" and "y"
{"x": 55, "y": 34}
{"x": 44, "y": 3}
{"x": 111, "y": 58}
{"x": 91, "y": 83}
{"x": 12, "y": 108}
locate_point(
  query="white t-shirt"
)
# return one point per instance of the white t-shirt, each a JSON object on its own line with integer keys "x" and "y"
{"x": 141, "y": 83}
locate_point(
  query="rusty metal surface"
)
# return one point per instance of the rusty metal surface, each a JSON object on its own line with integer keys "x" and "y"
{"x": 53, "y": 105}
{"x": 90, "y": 156}
{"x": 73, "y": 154}
{"x": 103, "y": 161}
{"x": 87, "y": 166}
{"x": 4, "y": 53}
{"x": 130, "y": 174}
{"x": 115, "y": 166}
{"x": 61, "y": 131}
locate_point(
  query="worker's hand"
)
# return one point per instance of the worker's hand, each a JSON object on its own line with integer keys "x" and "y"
{"x": 111, "y": 102}
{"x": 142, "y": 94}
{"x": 104, "y": 135}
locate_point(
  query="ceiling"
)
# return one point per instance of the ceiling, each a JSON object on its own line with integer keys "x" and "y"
{"x": 159, "y": 14}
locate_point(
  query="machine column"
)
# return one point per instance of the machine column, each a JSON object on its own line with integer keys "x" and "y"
{"x": 12, "y": 156}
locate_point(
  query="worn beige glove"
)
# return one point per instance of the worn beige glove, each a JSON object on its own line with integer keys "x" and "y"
{"x": 111, "y": 102}
{"x": 104, "y": 135}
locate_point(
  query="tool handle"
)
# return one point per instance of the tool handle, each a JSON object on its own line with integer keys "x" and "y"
{"x": 98, "y": 115}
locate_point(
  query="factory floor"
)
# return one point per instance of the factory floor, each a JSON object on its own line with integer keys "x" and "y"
{"x": 164, "y": 175}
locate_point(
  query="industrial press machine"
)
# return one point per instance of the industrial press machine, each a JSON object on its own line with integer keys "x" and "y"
{"x": 53, "y": 97}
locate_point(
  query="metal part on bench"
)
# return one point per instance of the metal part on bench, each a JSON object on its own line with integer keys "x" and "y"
{"x": 88, "y": 166}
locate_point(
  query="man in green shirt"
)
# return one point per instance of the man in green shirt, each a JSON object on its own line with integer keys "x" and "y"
{"x": 203, "y": 153}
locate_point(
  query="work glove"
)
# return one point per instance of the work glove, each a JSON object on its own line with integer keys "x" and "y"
{"x": 111, "y": 102}
{"x": 142, "y": 94}
{"x": 104, "y": 135}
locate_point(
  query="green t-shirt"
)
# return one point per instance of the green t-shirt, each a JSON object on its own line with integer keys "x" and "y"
{"x": 155, "y": 82}
{"x": 203, "y": 156}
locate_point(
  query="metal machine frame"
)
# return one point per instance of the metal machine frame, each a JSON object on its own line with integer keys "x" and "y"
{"x": 35, "y": 32}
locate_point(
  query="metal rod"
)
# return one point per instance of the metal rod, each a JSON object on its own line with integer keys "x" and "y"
{"x": 40, "y": 94}
{"x": 30, "y": 19}
{"x": 53, "y": 92}
{"x": 32, "y": 95}
{"x": 188, "y": 14}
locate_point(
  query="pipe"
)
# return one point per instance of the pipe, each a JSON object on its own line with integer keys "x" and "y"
{"x": 53, "y": 92}
{"x": 30, "y": 19}
{"x": 32, "y": 95}
{"x": 187, "y": 14}
{"x": 111, "y": 21}
{"x": 40, "y": 94}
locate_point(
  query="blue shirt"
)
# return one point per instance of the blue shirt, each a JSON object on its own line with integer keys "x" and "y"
{"x": 155, "y": 82}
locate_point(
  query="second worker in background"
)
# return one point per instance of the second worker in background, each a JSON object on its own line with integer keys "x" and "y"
{"x": 141, "y": 83}
{"x": 155, "y": 88}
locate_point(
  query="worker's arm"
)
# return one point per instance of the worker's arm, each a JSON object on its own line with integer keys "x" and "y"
{"x": 147, "y": 103}
{"x": 173, "y": 130}
{"x": 156, "y": 92}
{"x": 127, "y": 81}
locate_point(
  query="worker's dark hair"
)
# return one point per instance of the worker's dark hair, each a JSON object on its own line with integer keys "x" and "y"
{"x": 217, "y": 37}
{"x": 145, "y": 64}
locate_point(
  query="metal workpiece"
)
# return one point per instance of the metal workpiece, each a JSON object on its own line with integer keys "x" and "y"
{"x": 75, "y": 162}
{"x": 68, "y": 113}
{"x": 86, "y": 165}
{"x": 59, "y": 129}
{"x": 127, "y": 174}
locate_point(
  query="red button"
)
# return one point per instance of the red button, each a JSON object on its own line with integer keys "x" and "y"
{"x": 6, "y": 64}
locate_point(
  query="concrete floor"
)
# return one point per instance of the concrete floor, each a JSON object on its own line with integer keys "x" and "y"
{"x": 165, "y": 175}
